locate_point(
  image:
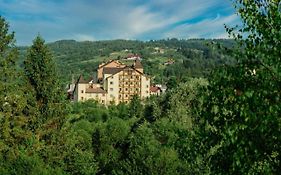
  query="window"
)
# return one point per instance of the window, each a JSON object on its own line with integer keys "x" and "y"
{"x": 102, "y": 101}
{"x": 82, "y": 98}
{"x": 111, "y": 82}
{"x": 126, "y": 89}
{"x": 103, "y": 95}
{"x": 82, "y": 91}
{"x": 111, "y": 89}
{"x": 146, "y": 86}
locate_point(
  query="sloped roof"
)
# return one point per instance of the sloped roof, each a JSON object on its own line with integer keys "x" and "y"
{"x": 105, "y": 64}
{"x": 138, "y": 64}
{"x": 112, "y": 70}
{"x": 154, "y": 89}
{"x": 128, "y": 67}
{"x": 96, "y": 90}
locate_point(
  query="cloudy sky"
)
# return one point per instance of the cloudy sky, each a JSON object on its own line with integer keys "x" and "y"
{"x": 117, "y": 19}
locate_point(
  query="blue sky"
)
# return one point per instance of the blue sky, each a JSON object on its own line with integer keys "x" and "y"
{"x": 117, "y": 19}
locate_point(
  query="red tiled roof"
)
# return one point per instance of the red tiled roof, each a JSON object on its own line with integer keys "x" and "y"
{"x": 154, "y": 89}
{"x": 95, "y": 90}
{"x": 110, "y": 61}
{"x": 112, "y": 70}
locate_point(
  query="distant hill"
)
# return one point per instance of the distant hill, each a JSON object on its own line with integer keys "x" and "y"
{"x": 161, "y": 58}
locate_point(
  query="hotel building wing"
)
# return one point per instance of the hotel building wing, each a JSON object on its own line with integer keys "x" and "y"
{"x": 116, "y": 83}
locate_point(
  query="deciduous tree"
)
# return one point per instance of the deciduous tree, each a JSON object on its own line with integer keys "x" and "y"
{"x": 243, "y": 109}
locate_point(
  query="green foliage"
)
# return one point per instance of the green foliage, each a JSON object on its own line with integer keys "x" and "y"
{"x": 28, "y": 165}
{"x": 242, "y": 111}
{"x": 135, "y": 107}
{"x": 138, "y": 138}
{"x": 147, "y": 156}
{"x": 79, "y": 157}
{"x": 109, "y": 140}
{"x": 228, "y": 123}
{"x": 42, "y": 76}
{"x": 194, "y": 57}
{"x": 8, "y": 56}
{"x": 14, "y": 129}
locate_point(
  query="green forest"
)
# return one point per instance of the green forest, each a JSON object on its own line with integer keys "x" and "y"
{"x": 220, "y": 115}
{"x": 192, "y": 58}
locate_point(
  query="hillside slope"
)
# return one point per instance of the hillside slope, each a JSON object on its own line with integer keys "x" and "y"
{"x": 162, "y": 59}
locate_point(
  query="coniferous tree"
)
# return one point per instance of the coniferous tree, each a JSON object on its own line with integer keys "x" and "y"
{"x": 40, "y": 70}
{"x": 43, "y": 80}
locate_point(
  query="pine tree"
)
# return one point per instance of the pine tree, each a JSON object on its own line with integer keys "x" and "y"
{"x": 44, "y": 83}
{"x": 40, "y": 70}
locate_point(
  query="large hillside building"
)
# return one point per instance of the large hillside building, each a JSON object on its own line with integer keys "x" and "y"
{"x": 116, "y": 83}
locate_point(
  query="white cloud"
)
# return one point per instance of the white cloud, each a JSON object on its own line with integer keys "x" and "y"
{"x": 208, "y": 28}
{"x": 107, "y": 19}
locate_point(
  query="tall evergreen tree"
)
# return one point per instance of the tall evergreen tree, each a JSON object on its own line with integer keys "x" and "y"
{"x": 40, "y": 69}
{"x": 44, "y": 83}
